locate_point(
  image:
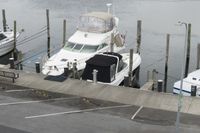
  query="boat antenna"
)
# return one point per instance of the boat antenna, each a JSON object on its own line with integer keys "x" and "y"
{"x": 113, "y": 10}
{"x": 108, "y": 6}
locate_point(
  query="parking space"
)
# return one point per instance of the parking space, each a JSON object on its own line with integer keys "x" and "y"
{"x": 41, "y": 111}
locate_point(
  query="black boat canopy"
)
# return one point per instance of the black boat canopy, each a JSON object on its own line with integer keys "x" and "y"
{"x": 102, "y": 60}
{"x": 105, "y": 64}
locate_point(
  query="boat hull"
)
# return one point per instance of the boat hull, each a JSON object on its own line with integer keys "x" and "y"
{"x": 186, "y": 89}
{"x": 56, "y": 70}
{"x": 6, "y": 48}
{"x": 119, "y": 77}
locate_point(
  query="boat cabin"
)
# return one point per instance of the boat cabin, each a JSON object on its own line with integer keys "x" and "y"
{"x": 96, "y": 22}
{"x": 107, "y": 65}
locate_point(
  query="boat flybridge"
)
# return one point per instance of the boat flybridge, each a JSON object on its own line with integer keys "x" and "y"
{"x": 193, "y": 79}
{"x": 93, "y": 36}
{"x": 111, "y": 67}
{"x": 7, "y": 41}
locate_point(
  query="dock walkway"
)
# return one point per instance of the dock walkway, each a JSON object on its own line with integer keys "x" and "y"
{"x": 120, "y": 94}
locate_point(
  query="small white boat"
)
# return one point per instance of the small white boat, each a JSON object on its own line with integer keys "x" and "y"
{"x": 111, "y": 67}
{"x": 92, "y": 36}
{"x": 7, "y": 42}
{"x": 193, "y": 79}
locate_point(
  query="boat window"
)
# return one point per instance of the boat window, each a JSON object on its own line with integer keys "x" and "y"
{"x": 89, "y": 49}
{"x": 2, "y": 36}
{"x": 69, "y": 46}
{"x": 102, "y": 46}
{"x": 112, "y": 72}
{"x": 77, "y": 47}
{"x": 94, "y": 24}
{"x": 64, "y": 60}
{"x": 121, "y": 65}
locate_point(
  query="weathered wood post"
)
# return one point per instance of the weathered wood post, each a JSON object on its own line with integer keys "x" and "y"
{"x": 4, "y": 20}
{"x": 12, "y": 64}
{"x": 198, "y": 55}
{"x": 154, "y": 75}
{"x": 187, "y": 63}
{"x": 193, "y": 90}
{"x": 37, "y": 67}
{"x": 139, "y": 37}
{"x": 74, "y": 68}
{"x": 148, "y": 75}
{"x": 112, "y": 43}
{"x": 139, "y": 30}
{"x": 21, "y": 66}
{"x": 159, "y": 85}
{"x": 166, "y": 62}
{"x": 15, "y": 55}
{"x": 64, "y": 32}
{"x": 48, "y": 33}
{"x": 130, "y": 75}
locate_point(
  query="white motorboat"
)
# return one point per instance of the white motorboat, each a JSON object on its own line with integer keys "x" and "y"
{"x": 111, "y": 67}
{"x": 7, "y": 42}
{"x": 93, "y": 36}
{"x": 193, "y": 79}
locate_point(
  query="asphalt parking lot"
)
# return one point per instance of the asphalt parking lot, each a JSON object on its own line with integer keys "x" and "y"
{"x": 30, "y": 111}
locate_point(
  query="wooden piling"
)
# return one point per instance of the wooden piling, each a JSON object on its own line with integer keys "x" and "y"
{"x": 112, "y": 43}
{"x": 139, "y": 30}
{"x": 159, "y": 85}
{"x": 198, "y": 55}
{"x": 154, "y": 78}
{"x": 130, "y": 75}
{"x": 148, "y": 75}
{"x": 74, "y": 69}
{"x": 12, "y": 64}
{"x": 64, "y": 32}
{"x": 20, "y": 66}
{"x": 4, "y": 20}
{"x": 15, "y": 41}
{"x": 166, "y": 62}
{"x": 188, "y": 50}
{"x": 48, "y": 33}
{"x": 37, "y": 67}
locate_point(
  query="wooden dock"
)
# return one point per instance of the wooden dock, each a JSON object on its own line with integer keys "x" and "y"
{"x": 126, "y": 95}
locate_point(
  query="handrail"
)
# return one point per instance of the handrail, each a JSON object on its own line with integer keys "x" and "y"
{"x": 11, "y": 75}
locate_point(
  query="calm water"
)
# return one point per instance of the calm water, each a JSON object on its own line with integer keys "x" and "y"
{"x": 159, "y": 17}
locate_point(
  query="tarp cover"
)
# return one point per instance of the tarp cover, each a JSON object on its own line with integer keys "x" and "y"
{"x": 102, "y": 64}
{"x": 100, "y": 60}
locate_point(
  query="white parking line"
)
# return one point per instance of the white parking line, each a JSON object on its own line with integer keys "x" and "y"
{"x": 38, "y": 101}
{"x": 77, "y": 111}
{"x": 19, "y": 90}
{"x": 136, "y": 112}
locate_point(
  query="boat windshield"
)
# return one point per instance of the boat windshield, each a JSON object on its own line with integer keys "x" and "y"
{"x": 89, "y": 49}
{"x": 77, "y": 47}
{"x": 94, "y": 24}
{"x": 69, "y": 46}
{"x": 81, "y": 48}
{"x": 2, "y": 36}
